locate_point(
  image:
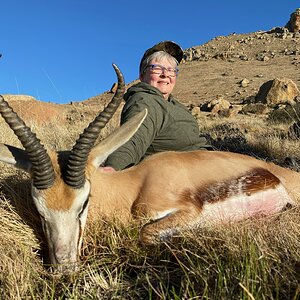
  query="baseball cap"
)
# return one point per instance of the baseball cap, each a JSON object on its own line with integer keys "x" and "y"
{"x": 168, "y": 46}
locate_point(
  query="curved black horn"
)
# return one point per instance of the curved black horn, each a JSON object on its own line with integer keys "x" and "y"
{"x": 75, "y": 169}
{"x": 42, "y": 169}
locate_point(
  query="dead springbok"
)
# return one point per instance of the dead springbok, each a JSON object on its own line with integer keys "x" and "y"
{"x": 170, "y": 191}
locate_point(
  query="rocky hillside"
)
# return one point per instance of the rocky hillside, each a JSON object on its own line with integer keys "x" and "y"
{"x": 231, "y": 68}
{"x": 218, "y": 67}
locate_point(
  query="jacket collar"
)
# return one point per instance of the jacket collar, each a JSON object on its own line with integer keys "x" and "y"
{"x": 145, "y": 87}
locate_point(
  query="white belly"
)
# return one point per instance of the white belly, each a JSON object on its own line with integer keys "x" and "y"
{"x": 239, "y": 207}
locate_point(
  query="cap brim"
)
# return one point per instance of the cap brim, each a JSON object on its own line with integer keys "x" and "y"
{"x": 168, "y": 46}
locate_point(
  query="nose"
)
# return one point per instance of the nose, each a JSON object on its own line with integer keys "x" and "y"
{"x": 59, "y": 269}
{"x": 164, "y": 73}
{"x": 64, "y": 261}
{"x": 65, "y": 254}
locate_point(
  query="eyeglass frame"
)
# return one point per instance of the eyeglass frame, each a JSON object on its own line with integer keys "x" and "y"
{"x": 163, "y": 69}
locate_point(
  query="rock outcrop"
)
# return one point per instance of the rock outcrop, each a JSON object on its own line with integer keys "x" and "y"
{"x": 293, "y": 25}
{"x": 278, "y": 91}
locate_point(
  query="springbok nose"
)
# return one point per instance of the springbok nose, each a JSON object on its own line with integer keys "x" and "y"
{"x": 64, "y": 261}
{"x": 64, "y": 254}
{"x": 64, "y": 268}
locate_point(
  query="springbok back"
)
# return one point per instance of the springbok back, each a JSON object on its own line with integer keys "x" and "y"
{"x": 169, "y": 192}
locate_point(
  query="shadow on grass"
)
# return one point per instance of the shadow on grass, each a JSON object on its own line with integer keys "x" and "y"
{"x": 16, "y": 190}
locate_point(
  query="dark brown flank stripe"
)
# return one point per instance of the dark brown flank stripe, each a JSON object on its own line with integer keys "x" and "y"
{"x": 256, "y": 180}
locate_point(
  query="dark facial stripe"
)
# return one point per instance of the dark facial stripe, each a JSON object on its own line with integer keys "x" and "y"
{"x": 79, "y": 237}
{"x": 256, "y": 180}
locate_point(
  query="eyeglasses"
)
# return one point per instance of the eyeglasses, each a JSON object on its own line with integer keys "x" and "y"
{"x": 159, "y": 69}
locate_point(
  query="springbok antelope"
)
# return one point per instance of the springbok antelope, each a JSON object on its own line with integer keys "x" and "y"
{"x": 170, "y": 191}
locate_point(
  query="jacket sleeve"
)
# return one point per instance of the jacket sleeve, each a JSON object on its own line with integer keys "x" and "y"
{"x": 132, "y": 152}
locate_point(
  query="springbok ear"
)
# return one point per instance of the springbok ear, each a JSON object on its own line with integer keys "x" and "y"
{"x": 15, "y": 156}
{"x": 117, "y": 138}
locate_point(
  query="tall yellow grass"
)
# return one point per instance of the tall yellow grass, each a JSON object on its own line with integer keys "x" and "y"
{"x": 255, "y": 259}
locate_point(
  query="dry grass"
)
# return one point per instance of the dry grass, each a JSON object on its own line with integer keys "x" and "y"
{"x": 20, "y": 264}
{"x": 255, "y": 259}
{"x": 252, "y": 135}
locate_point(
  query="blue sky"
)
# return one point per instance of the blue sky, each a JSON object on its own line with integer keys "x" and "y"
{"x": 62, "y": 50}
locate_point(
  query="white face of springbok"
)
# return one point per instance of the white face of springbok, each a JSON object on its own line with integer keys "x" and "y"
{"x": 63, "y": 223}
{"x": 64, "y": 210}
{"x": 61, "y": 181}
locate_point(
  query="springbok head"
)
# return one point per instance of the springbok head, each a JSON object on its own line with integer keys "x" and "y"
{"x": 61, "y": 181}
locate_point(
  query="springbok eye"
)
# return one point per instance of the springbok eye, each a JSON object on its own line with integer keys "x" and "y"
{"x": 83, "y": 207}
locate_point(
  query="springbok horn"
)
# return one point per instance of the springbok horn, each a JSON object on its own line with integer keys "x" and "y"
{"x": 75, "y": 169}
{"x": 42, "y": 169}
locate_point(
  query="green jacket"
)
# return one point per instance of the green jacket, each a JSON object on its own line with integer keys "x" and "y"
{"x": 169, "y": 126}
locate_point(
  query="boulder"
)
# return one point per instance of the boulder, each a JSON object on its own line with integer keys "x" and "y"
{"x": 293, "y": 25}
{"x": 196, "y": 111}
{"x": 278, "y": 91}
{"x": 244, "y": 83}
{"x": 217, "y": 105}
{"x": 221, "y": 107}
{"x": 230, "y": 112}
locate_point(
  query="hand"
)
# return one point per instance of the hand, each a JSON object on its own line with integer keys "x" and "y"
{"x": 107, "y": 169}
